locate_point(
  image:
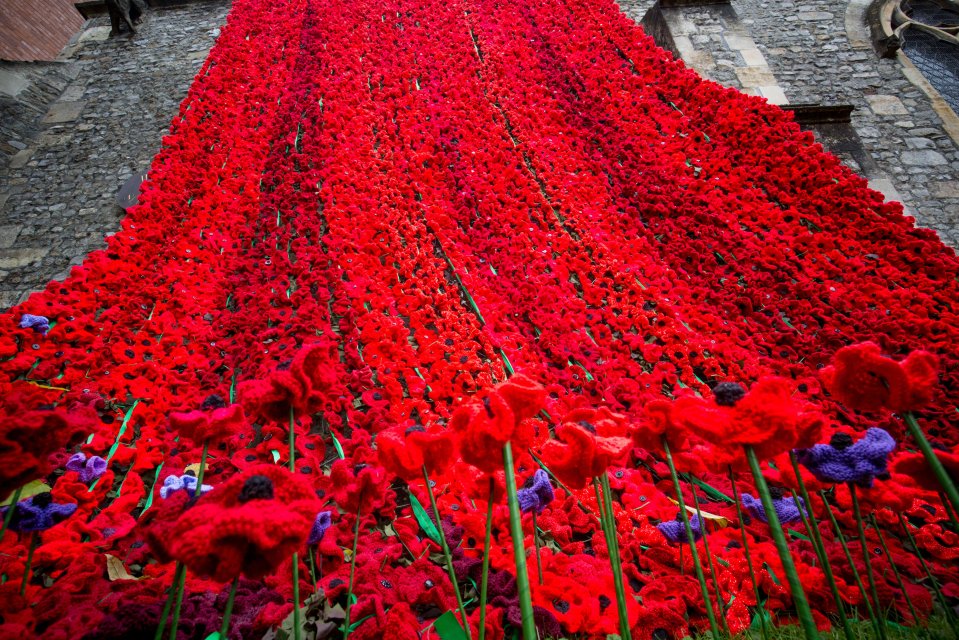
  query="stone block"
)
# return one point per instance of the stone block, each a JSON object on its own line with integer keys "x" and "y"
{"x": 923, "y": 158}
{"x": 15, "y": 258}
{"x": 63, "y": 112}
{"x": 756, "y": 77}
{"x": 774, "y": 94}
{"x": 21, "y": 158}
{"x": 753, "y": 57}
{"x": 739, "y": 43}
{"x": 883, "y": 105}
{"x": 8, "y": 235}
{"x": 946, "y": 189}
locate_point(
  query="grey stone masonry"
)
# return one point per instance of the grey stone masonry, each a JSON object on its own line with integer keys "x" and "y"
{"x": 58, "y": 192}
{"x": 819, "y": 52}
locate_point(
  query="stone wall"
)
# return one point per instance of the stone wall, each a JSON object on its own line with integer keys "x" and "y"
{"x": 901, "y": 138}
{"x": 58, "y": 194}
{"x": 36, "y": 29}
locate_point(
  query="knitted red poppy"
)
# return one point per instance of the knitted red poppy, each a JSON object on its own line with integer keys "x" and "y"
{"x": 210, "y": 426}
{"x": 249, "y": 524}
{"x": 484, "y": 427}
{"x": 862, "y": 378}
{"x": 299, "y": 386}
{"x": 404, "y": 453}
{"x": 589, "y": 441}
{"x": 29, "y": 436}
{"x": 914, "y": 466}
{"x": 767, "y": 418}
{"x": 656, "y": 422}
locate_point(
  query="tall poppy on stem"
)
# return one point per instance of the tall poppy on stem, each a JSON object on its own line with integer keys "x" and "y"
{"x": 484, "y": 581}
{"x": 764, "y": 422}
{"x": 813, "y": 527}
{"x": 864, "y": 546}
{"x": 749, "y": 559}
{"x": 493, "y": 423}
{"x": 862, "y": 378}
{"x": 712, "y": 566}
{"x": 950, "y": 613}
{"x": 895, "y": 569}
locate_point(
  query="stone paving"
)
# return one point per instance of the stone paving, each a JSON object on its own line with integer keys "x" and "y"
{"x": 58, "y": 195}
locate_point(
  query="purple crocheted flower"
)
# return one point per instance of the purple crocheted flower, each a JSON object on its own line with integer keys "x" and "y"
{"x": 89, "y": 469}
{"x": 843, "y": 461}
{"x": 675, "y": 530}
{"x": 786, "y": 509}
{"x": 40, "y": 324}
{"x": 536, "y": 494}
{"x": 38, "y": 513}
{"x": 185, "y": 482}
{"x": 324, "y": 520}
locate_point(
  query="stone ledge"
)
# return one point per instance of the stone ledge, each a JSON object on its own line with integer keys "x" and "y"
{"x": 91, "y": 8}
{"x": 690, "y": 3}
{"x": 806, "y": 114}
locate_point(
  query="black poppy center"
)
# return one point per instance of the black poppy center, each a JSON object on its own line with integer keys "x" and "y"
{"x": 213, "y": 402}
{"x": 42, "y": 500}
{"x": 840, "y": 441}
{"x": 776, "y": 493}
{"x": 728, "y": 393}
{"x": 256, "y": 488}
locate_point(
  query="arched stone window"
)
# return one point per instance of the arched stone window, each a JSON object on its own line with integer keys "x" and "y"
{"x": 927, "y": 31}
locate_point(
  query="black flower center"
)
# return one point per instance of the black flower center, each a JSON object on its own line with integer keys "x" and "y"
{"x": 42, "y": 500}
{"x": 604, "y": 602}
{"x": 213, "y": 402}
{"x": 840, "y": 441}
{"x": 776, "y": 493}
{"x": 728, "y": 393}
{"x": 256, "y": 488}
{"x": 561, "y": 605}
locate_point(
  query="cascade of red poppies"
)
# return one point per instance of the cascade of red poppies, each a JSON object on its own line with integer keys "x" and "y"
{"x": 374, "y": 212}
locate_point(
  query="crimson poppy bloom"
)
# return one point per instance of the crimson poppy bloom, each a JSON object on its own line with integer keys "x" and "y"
{"x": 588, "y": 442}
{"x": 862, "y": 378}
{"x": 300, "y": 385}
{"x": 215, "y": 423}
{"x": 249, "y": 524}
{"x": 767, "y": 418}
{"x": 914, "y": 466}
{"x": 404, "y": 453}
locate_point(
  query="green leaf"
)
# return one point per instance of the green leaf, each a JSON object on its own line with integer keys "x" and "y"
{"x": 448, "y": 627}
{"x": 359, "y": 622}
{"x": 276, "y": 455}
{"x": 425, "y": 521}
{"x": 337, "y": 445}
{"x": 756, "y": 623}
{"x": 798, "y": 536}
{"x": 28, "y": 491}
{"x": 213, "y": 636}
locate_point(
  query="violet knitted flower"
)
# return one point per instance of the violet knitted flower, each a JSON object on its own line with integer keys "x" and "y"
{"x": 536, "y": 494}
{"x": 89, "y": 469}
{"x": 40, "y": 324}
{"x": 786, "y": 509}
{"x": 185, "y": 482}
{"x": 675, "y": 530}
{"x": 843, "y": 461}
{"x": 324, "y": 520}
{"x": 38, "y": 513}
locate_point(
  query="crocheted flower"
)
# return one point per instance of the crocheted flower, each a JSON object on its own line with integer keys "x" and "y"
{"x": 323, "y": 521}
{"x": 213, "y": 423}
{"x": 536, "y": 494}
{"x": 843, "y": 461}
{"x": 589, "y": 441}
{"x": 768, "y": 418}
{"x": 915, "y": 466}
{"x": 248, "y": 525}
{"x": 786, "y": 509}
{"x": 38, "y": 513}
{"x": 862, "y": 378}
{"x": 298, "y": 385}
{"x": 484, "y": 427}
{"x": 657, "y": 421}
{"x": 404, "y": 453}
{"x": 88, "y": 469}
{"x": 675, "y": 530}
{"x": 28, "y": 437}
{"x": 40, "y": 324}
{"x": 182, "y": 483}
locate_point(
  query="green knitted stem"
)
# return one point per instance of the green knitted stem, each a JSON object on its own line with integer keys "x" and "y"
{"x": 519, "y": 550}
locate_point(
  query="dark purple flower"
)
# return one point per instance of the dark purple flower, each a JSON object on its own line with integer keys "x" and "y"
{"x": 40, "y": 324}
{"x": 324, "y": 520}
{"x": 675, "y": 530}
{"x": 536, "y": 493}
{"x": 786, "y": 509}
{"x": 843, "y": 461}
{"x": 89, "y": 469}
{"x": 38, "y": 513}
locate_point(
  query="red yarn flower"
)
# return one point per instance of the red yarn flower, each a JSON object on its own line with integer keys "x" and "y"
{"x": 589, "y": 441}
{"x": 484, "y": 427}
{"x": 249, "y": 524}
{"x": 404, "y": 453}
{"x": 656, "y": 422}
{"x": 29, "y": 436}
{"x": 914, "y": 466}
{"x": 299, "y": 385}
{"x": 862, "y": 378}
{"x": 210, "y": 426}
{"x": 767, "y": 418}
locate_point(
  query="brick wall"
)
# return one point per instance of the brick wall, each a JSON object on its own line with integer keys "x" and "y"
{"x": 36, "y": 29}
